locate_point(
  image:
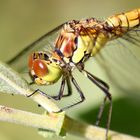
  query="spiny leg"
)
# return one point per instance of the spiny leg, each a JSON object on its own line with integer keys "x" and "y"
{"x": 60, "y": 95}
{"x": 96, "y": 79}
{"x": 100, "y": 113}
{"x": 101, "y": 109}
{"x": 69, "y": 89}
{"x": 105, "y": 88}
{"x": 51, "y": 97}
{"x": 79, "y": 91}
{"x": 41, "y": 92}
{"x": 61, "y": 91}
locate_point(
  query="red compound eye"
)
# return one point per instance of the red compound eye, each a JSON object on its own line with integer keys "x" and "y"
{"x": 40, "y": 68}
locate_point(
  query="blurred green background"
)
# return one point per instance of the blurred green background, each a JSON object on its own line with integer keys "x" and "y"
{"x": 21, "y": 22}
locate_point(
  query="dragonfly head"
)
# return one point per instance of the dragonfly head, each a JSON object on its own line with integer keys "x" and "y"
{"x": 43, "y": 71}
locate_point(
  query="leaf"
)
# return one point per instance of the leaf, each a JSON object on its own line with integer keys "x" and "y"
{"x": 51, "y": 123}
{"x": 10, "y": 81}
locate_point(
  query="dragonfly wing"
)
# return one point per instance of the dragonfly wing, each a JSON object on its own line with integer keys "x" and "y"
{"x": 120, "y": 59}
{"x": 44, "y": 43}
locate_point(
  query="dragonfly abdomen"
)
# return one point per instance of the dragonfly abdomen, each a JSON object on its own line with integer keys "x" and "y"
{"x": 121, "y": 23}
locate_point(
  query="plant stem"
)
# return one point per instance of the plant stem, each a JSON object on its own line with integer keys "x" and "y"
{"x": 91, "y": 132}
{"x": 55, "y": 122}
{"x": 52, "y": 121}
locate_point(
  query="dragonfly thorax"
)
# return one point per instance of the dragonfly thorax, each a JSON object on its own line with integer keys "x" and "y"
{"x": 79, "y": 39}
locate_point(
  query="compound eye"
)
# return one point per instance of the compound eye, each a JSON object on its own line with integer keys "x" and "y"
{"x": 40, "y": 68}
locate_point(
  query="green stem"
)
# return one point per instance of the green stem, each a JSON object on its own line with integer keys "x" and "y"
{"x": 91, "y": 132}
{"x": 52, "y": 122}
{"x": 56, "y": 122}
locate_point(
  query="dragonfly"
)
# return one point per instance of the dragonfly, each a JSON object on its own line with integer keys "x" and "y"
{"x": 59, "y": 52}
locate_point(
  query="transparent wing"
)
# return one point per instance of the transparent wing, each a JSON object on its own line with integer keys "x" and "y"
{"x": 44, "y": 43}
{"x": 120, "y": 59}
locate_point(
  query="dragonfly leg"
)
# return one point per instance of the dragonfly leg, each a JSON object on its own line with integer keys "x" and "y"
{"x": 69, "y": 90}
{"x": 41, "y": 92}
{"x": 105, "y": 88}
{"x": 100, "y": 113}
{"x": 60, "y": 95}
{"x": 61, "y": 91}
{"x": 69, "y": 87}
{"x": 79, "y": 91}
